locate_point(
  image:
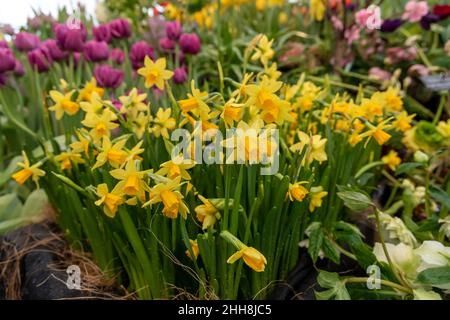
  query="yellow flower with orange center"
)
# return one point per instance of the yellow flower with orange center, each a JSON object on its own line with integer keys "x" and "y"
{"x": 392, "y": 160}
{"x": 168, "y": 193}
{"x": 297, "y": 192}
{"x": 114, "y": 154}
{"x": 155, "y": 73}
{"x": 88, "y": 90}
{"x": 132, "y": 181}
{"x": 207, "y": 213}
{"x": 176, "y": 167}
{"x": 317, "y": 194}
{"x": 28, "y": 171}
{"x": 110, "y": 200}
{"x": 67, "y": 159}
{"x": 63, "y": 104}
{"x": 403, "y": 121}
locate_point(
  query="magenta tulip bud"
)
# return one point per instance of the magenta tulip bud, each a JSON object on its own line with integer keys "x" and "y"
{"x": 173, "y": 30}
{"x": 166, "y": 44}
{"x": 76, "y": 58}
{"x": 180, "y": 75}
{"x": 19, "y": 70}
{"x": 120, "y": 29}
{"x": 117, "y": 56}
{"x": 95, "y": 51}
{"x": 108, "y": 77}
{"x": 70, "y": 39}
{"x": 55, "y": 51}
{"x": 4, "y": 44}
{"x": 138, "y": 52}
{"x": 25, "y": 42}
{"x": 40, "y": 59}
{"x": 102, "y": 33}
{"x": 190, "y": 43}
{"x": 7, "y": 60}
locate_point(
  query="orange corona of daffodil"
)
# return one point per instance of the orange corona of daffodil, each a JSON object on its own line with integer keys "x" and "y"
{"x": 28, "y": 171}
{"x": 67, "y": 159}
{"x": 155, "y": 73}
{"x": 101, "y": 125}
{"x": 63, "y": 104}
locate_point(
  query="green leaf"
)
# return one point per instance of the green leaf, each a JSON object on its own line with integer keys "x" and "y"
{"x": 434, "y": 276}
{"x": 5, "y": 176}
{"x": 407, "y": 167}
{"x": 316, "y": 237}
{"x": 10, "y": 207}
{"x": 439, "y": 195}
{"x": 328, "y": 279}
{"x": 35, "y": 204}
{"x": 355, "y": 201}
{"x": 330, "y": 250}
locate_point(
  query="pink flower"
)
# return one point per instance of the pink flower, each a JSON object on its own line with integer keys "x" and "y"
{"x": 415, "y": 10}
{"x": 369, "y": 17}
{"x": 352, "y": 34}
{"x": 379, "y": 74}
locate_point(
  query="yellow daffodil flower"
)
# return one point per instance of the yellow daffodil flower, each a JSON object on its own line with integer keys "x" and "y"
{"x": 163, "y": 123}
{"x": 168, "y": 193}
{"x": 131, "y": 181}
{"x": 195, "y": 103}
{"x": 82, "y": 145}
{"x": 317, "y": 194}
{"x": 444, "y": 128}
{"x": 155, "y": 73}
{"x": 133, "y": 103}
{"x": 110, "y": 200}
{"x": 207, "y": 214}
{"x": 101, "y": 125}
{"x": 378, "y": 133}
{"x": 252, "y": 257}
{"x": 28, "y": 171}
{"x": 90, "y": 88}
{"x": 114, "y": 154}
{"x": 232, "y": 112}
{"x": 392, "y": 160}
{"x": 195, "y": 250}
{"x": 66, "y": 159}
{"x": 315, "y": 145}
{"x": 63, "y": 104}
{"x": 94, "y": 105}
{"x": 263, "y": 51}
{"x": 176, "y": 167}
{"x": 403, "y": 121}
{"x": 140, "y": 124}
{"x": 297, "y": 192}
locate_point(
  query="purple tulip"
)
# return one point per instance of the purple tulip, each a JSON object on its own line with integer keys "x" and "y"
{"x": 76, "y": 58}
{"x": 138, "y": 52}
{"x": 390, "y": 25}
{"x": 102, "y": 33}
{"x": 19, "y": 70}
{"x": 40, "y": 59}
{"x": 429, "y": 19}
{"x": 95, "y": 51}
{"x": 117, "y": 56}
{"x": 70, "y": 39}
{"x": 55, "y": 51}
{"x": 166, "y": 44}
{"x": 180, "y": 75}
{"x": 173, "y": 30}
{"x": 108, "y": 77}
{"x": 7, "y": 60}
{"x": 120, "y": 28}
{"x": 4, "y": 44}
{"x": 25, "y": 42}
{"x": 190, "y": 43}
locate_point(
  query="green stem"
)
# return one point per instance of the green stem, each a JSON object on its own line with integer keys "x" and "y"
{"x": 383, "y": 282}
